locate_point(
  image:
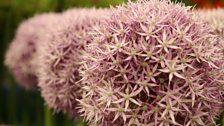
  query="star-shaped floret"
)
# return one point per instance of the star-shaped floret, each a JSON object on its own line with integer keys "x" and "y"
{"x": 127, "y": 97}
{"x": 166, "y": 43}
{"x": 172, "y": 68}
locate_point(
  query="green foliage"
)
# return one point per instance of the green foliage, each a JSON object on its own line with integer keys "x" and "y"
{"x": 91, "y": 3}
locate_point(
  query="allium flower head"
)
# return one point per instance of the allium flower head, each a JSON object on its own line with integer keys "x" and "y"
{"x": 60, "y": 57}
{"x": 152, "y": 63}
{"x": 22, "y": 53}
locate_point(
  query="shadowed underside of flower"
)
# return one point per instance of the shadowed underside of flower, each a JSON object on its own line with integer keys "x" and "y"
{"x": 60, "y": 58}
{"x": 152, "y": 63}
{"x": 22, "y": 53}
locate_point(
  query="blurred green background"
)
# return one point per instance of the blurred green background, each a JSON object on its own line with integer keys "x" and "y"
{"x": 19, "y": 107}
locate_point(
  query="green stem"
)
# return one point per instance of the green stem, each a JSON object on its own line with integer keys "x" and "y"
{"x": 39, "y": 109}
{"x": 48, "y": 117}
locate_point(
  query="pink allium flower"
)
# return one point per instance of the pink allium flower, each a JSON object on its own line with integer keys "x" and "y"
{"x": 60, "y": 57}
{"x": 152, "y": 63}
{"x": 22, "y": 53}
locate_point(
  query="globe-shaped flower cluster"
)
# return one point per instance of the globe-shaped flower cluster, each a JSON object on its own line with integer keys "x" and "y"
{"x": 22, "y": 53}
{"x": 59, "y": 58}
{"x": 151, "y": 63}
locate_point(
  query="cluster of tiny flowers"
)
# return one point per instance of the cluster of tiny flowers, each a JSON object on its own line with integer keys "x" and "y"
{"x": 60, "y": 57}
{"x": 151, "y": 63}
{"x": 21, "y": 55}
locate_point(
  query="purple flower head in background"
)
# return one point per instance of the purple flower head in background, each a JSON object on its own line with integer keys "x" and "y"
{"x": 151, "y": 63}
{"x": 60, "y": 59}
{"x": 214, "y": 18}
{"x": 21, "y": 55}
